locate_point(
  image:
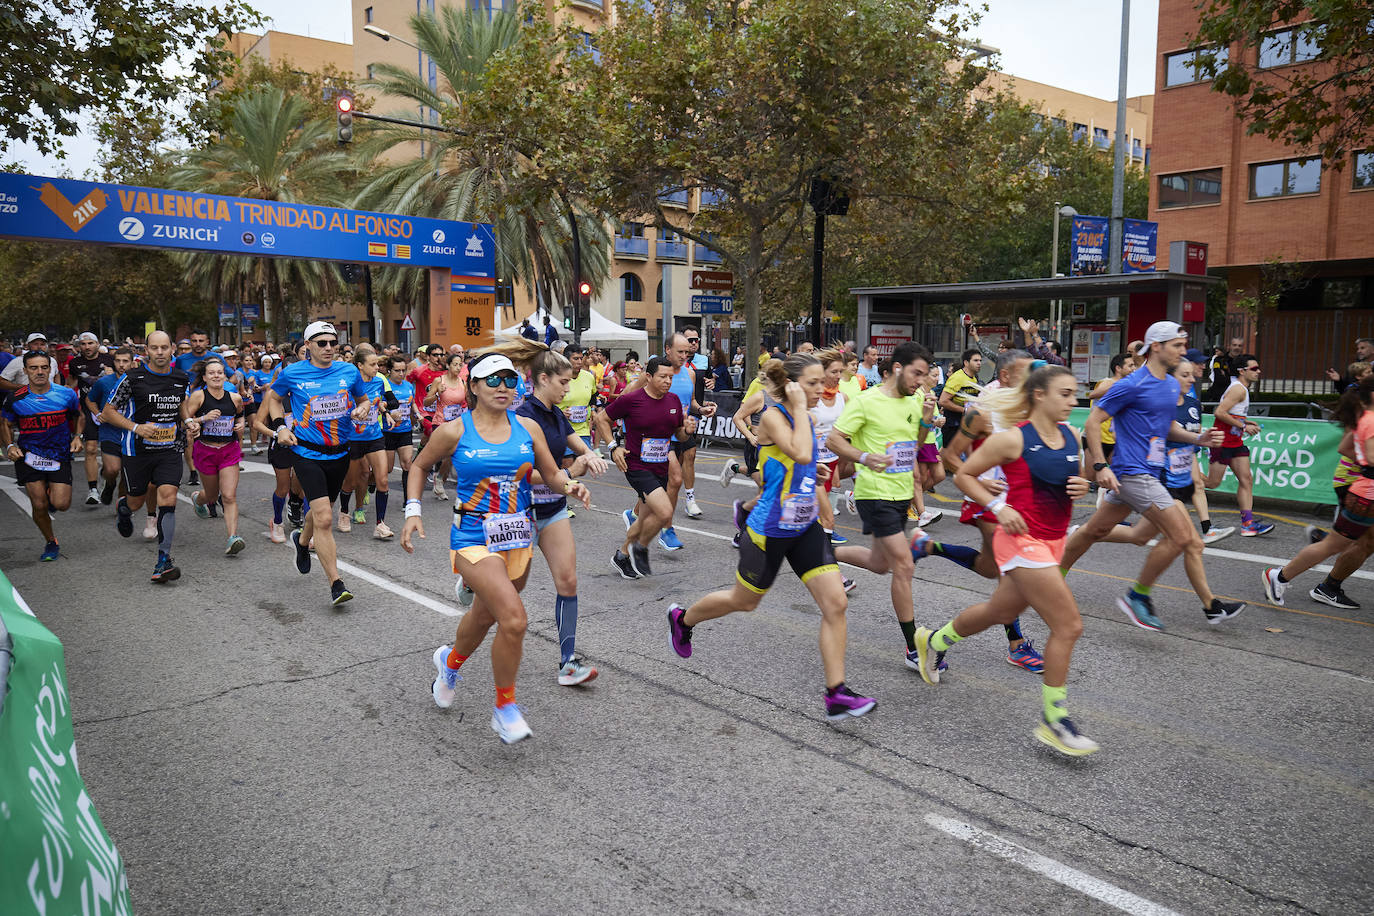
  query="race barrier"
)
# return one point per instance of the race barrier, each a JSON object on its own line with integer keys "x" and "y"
{"x": 57, "y": 857}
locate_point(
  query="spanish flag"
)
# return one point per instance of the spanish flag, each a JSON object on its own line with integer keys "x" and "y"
{"x": 376, "y": 249}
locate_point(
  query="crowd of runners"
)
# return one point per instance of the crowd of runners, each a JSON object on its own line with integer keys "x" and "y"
{"x": 507, "y": 433}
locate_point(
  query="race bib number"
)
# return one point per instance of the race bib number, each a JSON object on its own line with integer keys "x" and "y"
{"x": 577, "y": 414}
{"x": 823, "y": 454}
{"x": 1155, "y": 456}
{"x": 219, "y": 426}
{"x": 39, "y": 463}
{"x": 902, "y": 457}
{"x": 543, "y": 493}
{"x": 1180, "y": 460}
{"x": 325, "y": 407}
{"x": 162, "y": 433}
{"x": 798, "y": 512}
{"x": 509, "y": 531}
{"x": 452, "y": 412}
{"x": 653, "y": 451}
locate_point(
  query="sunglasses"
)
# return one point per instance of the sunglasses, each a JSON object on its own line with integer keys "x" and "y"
{"x": 1252, "y": 368}
{"x": 325, "y": 343}
{"x": 692, "y": 340}
{"x": 495, "y": 381}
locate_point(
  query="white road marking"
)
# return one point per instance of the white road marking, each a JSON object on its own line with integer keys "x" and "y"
{"x": 1273, "y": 561}
{"x": 1086, "y": 884}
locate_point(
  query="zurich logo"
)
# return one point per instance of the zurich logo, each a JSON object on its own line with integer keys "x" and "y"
{"x": 131, "y": 227}
{"x": 438, "y": 236}
{"x": 474, "y": 249}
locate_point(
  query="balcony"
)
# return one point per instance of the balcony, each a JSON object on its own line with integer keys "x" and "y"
{"x": 631, "y": 247}
{"x": 1102, "y": 141}
{"x": 676, "y": 198}
{"x": 1137, "y": 151}
{"x": 597, "y": 6}
{"x": 707, "y": 256}
{"x": 710, "y": 197}
{"x": 668, "y": 250}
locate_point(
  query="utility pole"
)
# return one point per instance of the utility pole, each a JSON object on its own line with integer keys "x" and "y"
{"x": 1119, "y": 146}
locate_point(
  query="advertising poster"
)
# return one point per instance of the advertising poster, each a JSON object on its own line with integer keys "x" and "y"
{"x": 1093, "y": 347}
{"x": 888, "y": 337}
{"x": 1088, "y": 246}
{"x": 1139, "y": 246}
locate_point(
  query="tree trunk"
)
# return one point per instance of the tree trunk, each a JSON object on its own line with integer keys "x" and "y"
{"x": 752, "y": 336}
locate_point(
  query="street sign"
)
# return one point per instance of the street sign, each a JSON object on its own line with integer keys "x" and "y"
{"x": 712, "y": 305}
{"x": 713, "y": 279}
{"x": 967, "y": 320}
{"x": 407, "y": 323}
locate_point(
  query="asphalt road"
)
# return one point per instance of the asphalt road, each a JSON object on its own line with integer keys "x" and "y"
{"x": 252, "y": 750}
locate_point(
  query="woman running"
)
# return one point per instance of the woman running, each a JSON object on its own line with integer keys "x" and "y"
{"x": 552, "y": 374}
{"x": 367, "y": 448}
{"x": 929, "y": 470}
{"x": 783, "y": 526}
{"x": 214, "y": 417}
{"x": 493, "y": 453}
{"x": 447, "y": 397}
{"x": 827, "y": 410}
{"x": 399, "y": 426}
{"x": 1041, "y": 461}
{"x": 1353, "y": 412}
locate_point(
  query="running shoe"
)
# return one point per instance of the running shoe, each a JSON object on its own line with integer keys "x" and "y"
{"x": 302, "y": 553}
{"x": 445, "y": 679}
{"x": 367, "y": 495}
{"x": 849, "y": 505}
{"x": 639, "y": 556}
{"x": 629, "y": 516}
{"x": 150, "y": 529}
{"x": 929, "y": 517}
{"x": 509, "y": 723}
{"x": 1314, "y": 534}
{"x": 739, "y": 514}
{"x": 1222, "y": 610}
{"x": 1153, "y": 542}
{"x": 922, "y": 658}
{"x": 572, "y": 514}
{"x": 844, "y": 703}
{"x": 1273, "y": 588}
{"x": 1256, "y": 528}
{"x": 668, "y": 540}
{"x": 107, "y": 494}
{"x": 194, "y": 481}
{"x": 679, "y": 634}
{"x": 164, "y": 571}
{"x": 693, "y": 510}
{"x": 466, "y": 596}
{"x": 235, "y": 546}
{"x": 359, "y": 517}
{"x": 439, "y": 491}
{"x": 836, "y": 538}
{"x": 93, "y": 497}
{"x": 734, "y": 541}
{"x": 1026, "y": 656}
{"x": 50, "y": 552}
{"x": 124, "y": 519}
{"x": 920, "y": 545}
{"x": 728, "y": 473}
{"x": 911, "y": 514}
{"x": 345, "y": 522}
{"x": 1065, "y": 738}
{"x": 339, "y": 593}
{"x": 295, "y": 513}
{"x": 256, "y": 450}
{"x": 275, "y": 533}
{"x": 382, "y": 532}
{"x": 1216, "y": 534}
{"x": 849, "y": 584}
{"x": 575, "y": 672}
{"x": 1141, "y": 610}
{"x": 625, "y": 565}
{"x": 1333, "y": 598}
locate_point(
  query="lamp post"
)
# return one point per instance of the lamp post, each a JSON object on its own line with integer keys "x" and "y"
{"x": 1056, "y": 313}
{"x": 384, "y": 35}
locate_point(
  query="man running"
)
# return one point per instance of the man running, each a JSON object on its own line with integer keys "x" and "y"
{"x": 1232, "y": 414}
{"x": 321, "y": 394}
{"x": 961, "y": 387}
{"x": 146, "y": 405}
{"x": 88, "y": 365}
{"x": 109, "y": 436}
{"x": 40, "y": 433}
{"x": 1142, "y": 408}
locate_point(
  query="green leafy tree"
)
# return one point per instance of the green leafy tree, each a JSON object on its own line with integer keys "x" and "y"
{"x": 1327, "y": 104}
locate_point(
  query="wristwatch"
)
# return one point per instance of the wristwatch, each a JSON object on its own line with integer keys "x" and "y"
{"x": 1100, "y": 465}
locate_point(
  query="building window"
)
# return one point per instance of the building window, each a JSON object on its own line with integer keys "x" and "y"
{"x": 1100, "y": 138}
{"x": 1284, "y": 179}
{"x": 1290, "y": 46}
{"x": 1363, "y": 176}
{"x": 1059, "y": 123}
{"x": 658, "y": 296}
{"x": 1190, "y": 189}
{"x": 1080, "y": 131}
{"x": 632, "y": 230}
{"x": 589, "y": 45}
{"x": 367, "y": 15}
{"x": 370, "y": 74}
{"x": 1182, "y": 68}
{"x": 632, "y": 290}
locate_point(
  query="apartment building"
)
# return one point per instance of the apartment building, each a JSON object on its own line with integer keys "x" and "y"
{"x": 1089, "y": 118}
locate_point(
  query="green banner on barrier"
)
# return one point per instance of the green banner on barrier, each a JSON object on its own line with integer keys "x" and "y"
{"x": 1291, "y": 459}
{"x": 57, "y": 857}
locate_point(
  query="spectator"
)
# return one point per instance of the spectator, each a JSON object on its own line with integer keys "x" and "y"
{"x": 550, "y": 332}
{"x": 1364, "y": 352}
{"x": 720, "y": 368}
{"x": 528, "y": 330}
{"x": 12, "y": 377}
{"x": 1222, "y": 369}
{"x": 1036, "y": 345}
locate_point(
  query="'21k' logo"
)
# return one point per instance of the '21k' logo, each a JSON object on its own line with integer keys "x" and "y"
{"x": 74, "y": 215}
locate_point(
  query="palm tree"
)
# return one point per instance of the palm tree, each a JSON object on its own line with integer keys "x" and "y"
{"x": 451, "y": 179}
{"x": 268, "y": 150}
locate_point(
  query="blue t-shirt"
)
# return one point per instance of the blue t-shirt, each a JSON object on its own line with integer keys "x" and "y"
{"x": 321, "y": 400}
{"x": 1178, "y": 470}
{"x": 372, "y": 429}
{"x": 405, "y": 393}
{"x": 99, "y": 395}
{"x": 186, "y": 361}
{"x": 44, "y": 421}
{"x": 1142, "y": 410}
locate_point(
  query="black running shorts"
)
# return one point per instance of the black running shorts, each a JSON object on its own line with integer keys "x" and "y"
{"x": 320, "y": 479}
{"x": 760, "y": 557}
{"x": 161, "y": 468}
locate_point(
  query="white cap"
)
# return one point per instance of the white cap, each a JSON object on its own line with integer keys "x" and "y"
{"x": 34, "y": 336}
{"x": 316, "y": 328}
{"x": 1162, "y": 332}
{"x": 491, "y": 364}
{"x": 230, "y": 352}
{"x": 87, "y": 336}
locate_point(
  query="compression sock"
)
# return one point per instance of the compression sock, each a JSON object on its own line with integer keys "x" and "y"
{"x": 505, "y": 696}
{"x": 1206, "y": 525}
{"x": 278, "y": 503}
{"x": 1246, "y": 517}
{"x": 909, "y": 631}
{"x": 166, "y": 528}
{"x": 1141, "y": 589}
{"x": 455, "y": 661}
{"x": 1013, "y": 630}
{"x": 344, "y": 498}
{"x": 956, "y": 553}
{"x": 1055, "y": 701}
{"x": 565, "y": 614}
{"x": 90, "y": 484}
{"x": 945, "y": 637}
{"x": 382, "y": 497}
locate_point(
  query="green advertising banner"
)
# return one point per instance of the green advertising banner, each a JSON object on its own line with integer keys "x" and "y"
{"x": 57, "y": 857}
{"x": 1291, "y": 459}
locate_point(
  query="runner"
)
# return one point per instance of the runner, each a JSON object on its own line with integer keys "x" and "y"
{"x": 213, "y": 420}
{"x": 446, "y": 398}
{"x": 322, "y": 395}
{"x": 929, "y": 471}
{"x": 96, "y": 399}
{"x": 257, "y": 375}
{"x": 1039, "y": 456}
{"x": 400, "y": 429}
{"x": 784, "y": 526}
{"x": 878, "y": 432}
{"x": 1231, "y": 414}
{"x": 367, "y": 447}
{"x": 190, "y": 351}
{"x": 827, "y": 409}
{"x": 578, "y": 404}
{"x": 1142, "y": 408}
{"x": 84, "y": 369}
{"x": 960, "y": 388}
{"x": 146, "y": 405}
{"x": 551, "y": 375}
{"x": 852, "y": 382}
{"x": 279, "y": 457}
{"x": 490, "y": 542}
{"x": 1353, "y": 412}
{"x": 42, "y": 431}
{"x": 421, "y": 377}
{"x": 652, "y": 414}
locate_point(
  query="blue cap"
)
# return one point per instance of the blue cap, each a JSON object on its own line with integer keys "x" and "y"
{"x": 1194, "y": 355}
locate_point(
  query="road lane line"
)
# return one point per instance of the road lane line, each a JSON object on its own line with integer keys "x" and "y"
{"x": 1274, "y": 561}
{"x": 1086, "y": 884}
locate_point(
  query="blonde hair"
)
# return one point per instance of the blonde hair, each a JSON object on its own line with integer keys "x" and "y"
{"x": 831, "y": 355}
{"x": 1009, "y": 407}
{"x": 1355, "y": 370}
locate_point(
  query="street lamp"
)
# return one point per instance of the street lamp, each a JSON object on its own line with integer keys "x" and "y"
{"x": 1056, "y": 313}
{"x": 384, "y": 35}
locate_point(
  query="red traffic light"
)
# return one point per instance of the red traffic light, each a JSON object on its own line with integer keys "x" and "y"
{"x": 344, "y": 104}
{"x": 585, "y": 288}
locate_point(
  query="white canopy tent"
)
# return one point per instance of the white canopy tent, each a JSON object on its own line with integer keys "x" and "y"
{"x": 604, "y": 332}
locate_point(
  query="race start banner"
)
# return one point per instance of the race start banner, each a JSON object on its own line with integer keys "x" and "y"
{"x": 1290, "y": 459}
{"x": 55, "y": 856}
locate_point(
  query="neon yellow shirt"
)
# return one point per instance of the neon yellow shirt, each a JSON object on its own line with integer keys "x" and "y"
{"x": 878, "y": 424}
{"x": 575, "y": 405}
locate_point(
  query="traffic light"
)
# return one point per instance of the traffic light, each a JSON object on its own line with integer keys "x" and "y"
{"x": 584, "y": 304}
{"x": 343, "y": 106}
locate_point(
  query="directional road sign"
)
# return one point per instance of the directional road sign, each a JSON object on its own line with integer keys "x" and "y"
{"x": 713, "y": 280}
{"x": 712, "y": 305}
